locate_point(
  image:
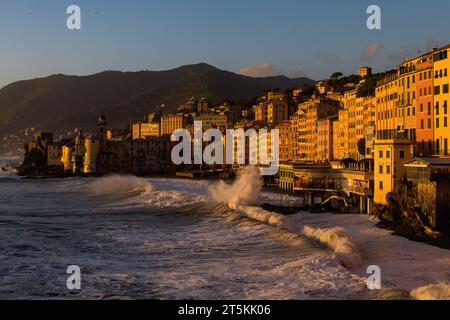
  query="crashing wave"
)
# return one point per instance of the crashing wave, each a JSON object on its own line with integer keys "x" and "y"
{"x": 120, "y": 185}
{"x": 132, "y": 191}
{"x": 244, "y": 195}
{"x": 340, "y": 241}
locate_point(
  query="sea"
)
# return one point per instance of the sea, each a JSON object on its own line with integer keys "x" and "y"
{"x": 167, "y": 238}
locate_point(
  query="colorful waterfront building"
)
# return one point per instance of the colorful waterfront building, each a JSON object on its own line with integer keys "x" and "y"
{"x": 392, "y": 147}
{"x": 170, "y": 123}
{"x": 425, "y": 106}
{"x": 441, "y": 66}
{"x": 325, "y": 133}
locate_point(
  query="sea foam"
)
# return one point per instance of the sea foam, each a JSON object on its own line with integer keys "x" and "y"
{"x": 244, "y": 196}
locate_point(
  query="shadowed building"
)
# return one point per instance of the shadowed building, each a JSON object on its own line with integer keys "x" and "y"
{"x": 431, "y": 178}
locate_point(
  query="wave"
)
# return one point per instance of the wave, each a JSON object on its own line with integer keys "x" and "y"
{"x": 432, "y": 292}
{"x": 340, "y": 241}
{"x": 7, "y": 171}
{"x": 120, "y": 185}
{"x": 132, "y": 192}
{"x": 243, "y": 196}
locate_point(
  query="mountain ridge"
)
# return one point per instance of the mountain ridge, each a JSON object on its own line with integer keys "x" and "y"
{"x": 59, "y": 101}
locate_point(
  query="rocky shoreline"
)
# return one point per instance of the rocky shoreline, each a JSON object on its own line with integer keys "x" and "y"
{"x": 400, "y": 229}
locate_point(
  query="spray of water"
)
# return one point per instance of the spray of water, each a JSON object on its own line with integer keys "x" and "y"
{"x": 120, "y": 185}
{"x": 340, "y": 241}
{"x": 243, "y": 196}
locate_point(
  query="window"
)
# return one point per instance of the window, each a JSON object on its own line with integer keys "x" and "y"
{"x": 402, "y": 154}
{"x": 429, "y": 123}
{"x": 421, "y": 107}
{"x": 445, "y": 122}
{"x": 388, "y": 169}
{"x": 437, "y": 90}
{"x": 381, "y": 154}
{"x": 445, "y": 88}
{"x": 380, "y": 169}
{"x": 437, "y": 108}
{"x": 422, "y": 124}
{"x": 437, "y": 123}
{"x": 381, "y": 185}
{"x": 429, "y": 108}
{"x": 388, "y": 154}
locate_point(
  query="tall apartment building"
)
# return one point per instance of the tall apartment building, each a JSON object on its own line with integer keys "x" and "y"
{"x": 170, "y": 123}
{"x": 392, "y": 148}
{"x": 349, "y": 103}
{"x": 369, "y": 125}
{"x": 286, "y": 147}
{"x": 341, "y": 135}
{"x": 407, "y": 92}
{"x": 306, "y": 127}
{"x": 297, "y": 136}
{"x": 272, "y": 112}
{"x": 425, "y": 106}
{"x": 325, "y": 133}
{"x": 441, "y": 66}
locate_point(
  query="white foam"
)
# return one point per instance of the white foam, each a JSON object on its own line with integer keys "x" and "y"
{"x": 244, "y": 195}
{"x": 340, "y": 241}
{"x": 404, "y": 264}
{"x": 120, "y": 185}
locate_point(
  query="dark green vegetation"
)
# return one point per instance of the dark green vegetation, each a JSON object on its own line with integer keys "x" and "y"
{"x": 62, "y": 102}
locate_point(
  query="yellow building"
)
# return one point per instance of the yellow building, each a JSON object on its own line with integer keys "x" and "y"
{"x": 170, "y": 123}
{"x": 91, "y": 151}
{"x": 66, "y": 157}
{"x": 390, "y": 155}
{"x": 297, "y": 136}
{"x": 369, "y": 125}
{"x": 341, "y": 135}
{"x": 407, "y": 95}
{"x": 441, "y": 64}
{"x": 349, "y": 103}
{"x": 392, "y": 146}
{"x": 146, "y": 130}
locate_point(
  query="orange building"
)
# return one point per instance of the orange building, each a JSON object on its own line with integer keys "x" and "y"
{"x": 325, "y": 138}
{"x": 425, "y": 107}
{"x": 286, "y": 147}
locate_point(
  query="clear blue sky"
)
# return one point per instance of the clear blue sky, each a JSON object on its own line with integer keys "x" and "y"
{"x": 291, "y": 36}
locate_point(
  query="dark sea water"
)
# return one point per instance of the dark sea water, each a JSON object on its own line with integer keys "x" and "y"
{"x": 152, "y": 239}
